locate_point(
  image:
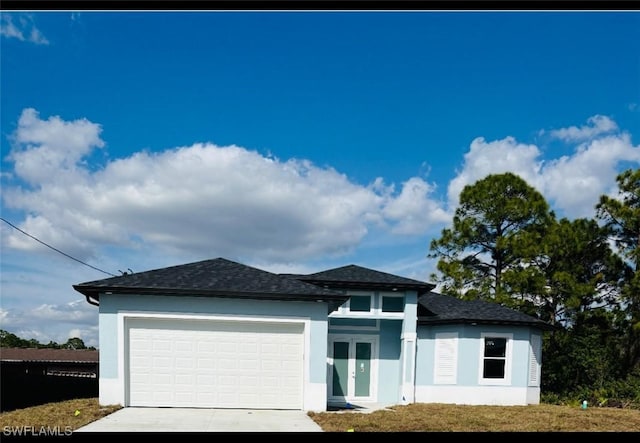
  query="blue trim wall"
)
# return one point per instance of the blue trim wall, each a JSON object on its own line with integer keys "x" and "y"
{"x": 389, "y": 367}
{"x": 468, "y": 353}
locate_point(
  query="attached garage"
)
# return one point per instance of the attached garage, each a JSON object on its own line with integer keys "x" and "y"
{"x": 212, "y": 334}
{"x": 215, "y": 363}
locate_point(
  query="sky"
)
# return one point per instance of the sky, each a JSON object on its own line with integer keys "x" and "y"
{"x": 291, "y": 141}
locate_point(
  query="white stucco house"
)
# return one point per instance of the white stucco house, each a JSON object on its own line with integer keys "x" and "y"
{"x": 220, "y": 334}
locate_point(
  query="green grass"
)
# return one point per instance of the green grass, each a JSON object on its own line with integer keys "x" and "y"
{"x": 419, "y": 417}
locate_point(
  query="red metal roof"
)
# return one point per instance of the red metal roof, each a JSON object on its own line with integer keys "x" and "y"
{"x": 49, "y": 355}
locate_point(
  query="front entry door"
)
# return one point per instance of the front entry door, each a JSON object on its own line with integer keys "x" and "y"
{"x": 352, "y": 368}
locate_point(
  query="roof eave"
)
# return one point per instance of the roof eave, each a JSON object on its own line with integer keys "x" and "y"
{"x": 93, "y": 292}
{"x": 472, "y": 321}
{"x": 420, "y": 289}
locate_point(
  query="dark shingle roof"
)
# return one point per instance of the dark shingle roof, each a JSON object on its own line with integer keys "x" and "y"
{"x": 357, "y": 277}
{"x": 49, "y": 355}
{"x": 216, "y": 277}
{"x": 434, "y": 308}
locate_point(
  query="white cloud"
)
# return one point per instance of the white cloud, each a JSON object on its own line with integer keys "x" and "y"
{"x": 233, "y": 201}
{"x": 413, "y": 210}
{"x": 48, "y": 234}
{"x": 49, "y": 322}
{"x": 77, "y": 312}
{"x": 5, "y": 317}
{"x": 571, "y": 184}
{"x": 38, "y": 300}
{"x": 50, "y": 150}
{"x": 206, "y": 199}
{"x": 576, "y": 182}
{"x": 596, "y": 125}
{"x": 24, "y": 30}
{"x": 496, "y": 157}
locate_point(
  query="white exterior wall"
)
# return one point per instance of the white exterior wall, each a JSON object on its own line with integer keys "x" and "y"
{"x": 478, "y": 395}
{"x": 115, "y": 309}
{"x": 408, "y": 349}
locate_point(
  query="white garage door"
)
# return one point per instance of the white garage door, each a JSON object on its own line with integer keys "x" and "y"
{"x": 215, "y": 364}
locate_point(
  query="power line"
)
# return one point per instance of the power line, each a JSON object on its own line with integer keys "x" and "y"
{"x": 57, "y": 250}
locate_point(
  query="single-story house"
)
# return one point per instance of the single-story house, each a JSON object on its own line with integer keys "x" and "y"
{"x": 220, "y": 334}
{"x": 50, "y": 374}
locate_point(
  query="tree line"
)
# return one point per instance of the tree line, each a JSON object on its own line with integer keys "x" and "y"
{"x": 582, "y": 276}
{"x": 10, "y": 340}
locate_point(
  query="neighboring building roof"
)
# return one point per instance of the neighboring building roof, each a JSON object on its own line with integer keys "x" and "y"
{"x": 212, "y": 278}
{"x": 434, "y": 308}
{"x": 357, "y": 277}
{"x": 49, "y": 355}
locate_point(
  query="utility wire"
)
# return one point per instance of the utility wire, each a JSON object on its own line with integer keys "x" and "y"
{"x": 57, "y": 250}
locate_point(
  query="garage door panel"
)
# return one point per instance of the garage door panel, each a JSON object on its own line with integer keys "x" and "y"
{"x": 184, "y": 363}
{"x": 228, "y": 348}
{"x": 246, "y": 364}
{"x": 206, "y": 363}
{"x": 205, "y": 347}
{"x": 269, "y": 365}
{"x": 227, "y": 364}
{"x": 159, "y": 345}
{"x": 248, "y": 384}
{"x": 184, "y": 379}
{"x": 215, "y": 364}
{"x": 184, "y": 346}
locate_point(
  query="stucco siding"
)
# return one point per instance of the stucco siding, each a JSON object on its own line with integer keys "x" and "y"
{"x": 425, "y": 351}
{"x": 107, "y": 336}
{"x": 115, "y": 308}
{"x": 389, "y": 377}
{"x": 469, "y": 388}
{"x": 410, "y": 312}
{"x": 475, "y": 395}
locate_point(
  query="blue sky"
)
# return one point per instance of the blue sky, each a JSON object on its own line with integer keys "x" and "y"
{"x": 289, "y": 141}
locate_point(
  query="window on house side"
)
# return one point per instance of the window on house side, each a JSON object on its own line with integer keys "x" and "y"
{"x": 495, "y": 357}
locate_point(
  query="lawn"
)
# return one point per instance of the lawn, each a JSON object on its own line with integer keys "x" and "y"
{"x": 59, "y": 418}
{"x": 65, "y": 417}
{"x": 420, "y": 417}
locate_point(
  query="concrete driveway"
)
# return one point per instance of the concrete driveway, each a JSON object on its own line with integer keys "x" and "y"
{"x": 202, "y": 420}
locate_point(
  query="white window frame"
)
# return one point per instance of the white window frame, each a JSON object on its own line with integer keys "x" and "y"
{"x": 345, "y": 309}
{"x": 375, "y": 328}
{"x": 375, "y": 307}
{"x": 391, "y": 295}
{"x": 506, "y": 381}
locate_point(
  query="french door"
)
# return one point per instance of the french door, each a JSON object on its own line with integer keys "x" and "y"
{"x": 352, "y": 368}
